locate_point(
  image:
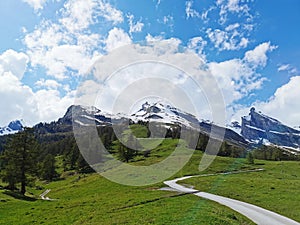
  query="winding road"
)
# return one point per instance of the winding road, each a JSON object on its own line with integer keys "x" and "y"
{"x": 257, "y": 214}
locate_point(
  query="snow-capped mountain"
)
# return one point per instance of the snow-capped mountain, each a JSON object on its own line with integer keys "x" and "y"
{"x": 155, "y": 112}
{"x": 261, "y": 129}
{"x": 86, "y": 116}
{"x": 164, "y": 113}
{"x": 12, "y": 127}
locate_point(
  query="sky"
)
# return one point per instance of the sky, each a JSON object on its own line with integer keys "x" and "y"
{"x": 250, "y": 47}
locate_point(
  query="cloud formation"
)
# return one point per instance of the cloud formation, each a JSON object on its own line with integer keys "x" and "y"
{"x": 134, "y": 27}
{"x": 69, "y": 43}
{"x": 14, "y": 62}
{"x": 35, "y": 4}
{"x": 258, "y": 56}
{"x": 116, "y": 38}
{"x": 283, "y": 102}
{"x": 189, "y": 11}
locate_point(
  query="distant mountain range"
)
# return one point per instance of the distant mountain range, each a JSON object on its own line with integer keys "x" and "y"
{"x": 262, "y": 129}
{"x": 255, "y": 128}
{"x": 12, "y": 127}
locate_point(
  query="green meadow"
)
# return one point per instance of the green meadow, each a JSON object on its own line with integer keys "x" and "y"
{"x": 92, "y": 199}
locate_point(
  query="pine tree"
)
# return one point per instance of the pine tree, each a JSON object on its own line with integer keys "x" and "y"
{"x": 125, "y": 154}
{"x": 250, "y": 158}
{"x": 20, "y": 160}
{"x": 48, "y": 171}
{"x": 83, "y": 166}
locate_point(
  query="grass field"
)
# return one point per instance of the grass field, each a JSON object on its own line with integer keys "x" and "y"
{"x": 95, "y": 200}
{"x": 277, "y": 188}
{"x": 91, "y": 199}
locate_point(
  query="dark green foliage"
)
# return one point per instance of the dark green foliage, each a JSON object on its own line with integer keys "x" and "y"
{"x": 227, "y": 149}
{"x": 250, "y": 158}
{"x": 48, "y": 167}
{"x": 231, "y": 150}
{"x": 272, "y": 153}
{"x": 202, "y": 142}
{"x": 82, "y": 166}
{"x": 3, "y": 141}
{"x": 124, "y": 153}
{"x": 20, "y": 160}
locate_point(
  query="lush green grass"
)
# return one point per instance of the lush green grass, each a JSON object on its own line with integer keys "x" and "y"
{"x": 95, "y": 200}
{"x": 92, "y": 199}
{"x": 219, "y": 165}
{"x": 277, "y": 188}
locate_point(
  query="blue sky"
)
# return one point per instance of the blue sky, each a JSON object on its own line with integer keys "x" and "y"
{"x": 252, "y": 48}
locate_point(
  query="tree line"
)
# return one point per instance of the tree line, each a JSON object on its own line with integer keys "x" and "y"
{"x": 35, "y": 153}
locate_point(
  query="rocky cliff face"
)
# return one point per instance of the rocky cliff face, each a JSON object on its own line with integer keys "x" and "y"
{"x": 261, "y": 129}
{"x": 81, "y": 115}
{"x": 12, "y": 127}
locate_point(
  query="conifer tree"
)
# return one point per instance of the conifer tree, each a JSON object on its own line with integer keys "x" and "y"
{"x": 48, "y": 171}
{"x": 20, "y": 160}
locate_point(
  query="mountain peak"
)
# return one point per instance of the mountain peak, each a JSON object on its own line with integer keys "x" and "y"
{"x": 259, "y": 128}
{"x": 12, "y": 127}
{"x": 165, "y": 113}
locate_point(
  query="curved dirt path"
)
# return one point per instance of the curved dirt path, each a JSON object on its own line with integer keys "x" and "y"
{"x": 257, "y": 214}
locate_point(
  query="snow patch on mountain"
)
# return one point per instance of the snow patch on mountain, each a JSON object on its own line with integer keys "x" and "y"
{"x": 164, "y": 113}
{"x": 13, "y": 127}
{"x": 262, "y": 129}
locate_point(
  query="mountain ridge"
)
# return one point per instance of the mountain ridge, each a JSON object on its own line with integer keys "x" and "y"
{"x": 262, "y": 129}
{"x": 13, "y": 127}
{"x": 255, "y": 129}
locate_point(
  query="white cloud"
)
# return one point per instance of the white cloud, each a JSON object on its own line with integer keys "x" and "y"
{"x": 150, "y": 38}
{"x": 16, "y": 100}
{"x": 157, "y": 3}
{"x": 134, "y": 27}
{"x": 235, "y": 78}
{"x": 168, "y": 19}
{"x": 283, "y": 105}
{"x": 238, "y": 77}
{"x": 258, "y": 56}
{"x": 284, "y": 102}
{"x": 232, "y": 27}
{"x": 49, "y": 84}
{"x": 14, "y": 62}
{"x": 238, "y": 7}
{"x": 289, "y": 68}
{"x": 110, "y": 13}
{"x": 231, "y": 39}
{"x": 116, "y": 38}
{"x": 36, "y": 4}
{"x": 189, "y": 11}
{"x": 204, "y": 14}
{"x": 61, "y": 58}
{"x": 70, "y": 46}
{"x": 197, "y": 44}
{"x": 284, "y": 67}
{"x": 46, "y": 48}
{"x": 50, "y": 105}
{"x": 80, "y": 14}
{"x": 20, "y": 102}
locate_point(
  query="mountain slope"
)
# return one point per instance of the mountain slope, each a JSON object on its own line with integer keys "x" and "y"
{"x": 262, "y": 129}
{"x": 164, "y": 113}
{"x": 12, "y": 127}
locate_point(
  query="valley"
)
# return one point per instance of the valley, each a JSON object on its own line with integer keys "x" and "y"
{"x": 80, "y": 196}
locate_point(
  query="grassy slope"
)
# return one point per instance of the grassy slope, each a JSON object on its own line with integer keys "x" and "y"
{"x": 95, "y": 200}
{"x": 277, "y": 188}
